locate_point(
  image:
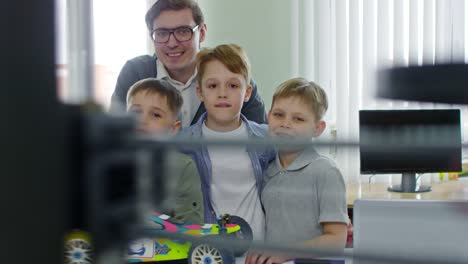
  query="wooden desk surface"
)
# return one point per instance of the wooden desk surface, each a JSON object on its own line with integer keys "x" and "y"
{"x": 449, "y": 190}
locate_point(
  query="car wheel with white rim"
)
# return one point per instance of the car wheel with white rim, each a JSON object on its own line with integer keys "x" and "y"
{"x": 207, "y": 254}
{"x": 78, "y": 248}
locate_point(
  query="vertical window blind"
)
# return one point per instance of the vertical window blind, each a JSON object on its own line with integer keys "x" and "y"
{"x": 353, "y": 39}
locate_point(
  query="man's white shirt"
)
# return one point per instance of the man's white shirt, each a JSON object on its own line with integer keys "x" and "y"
{"x": 188, "y": 91}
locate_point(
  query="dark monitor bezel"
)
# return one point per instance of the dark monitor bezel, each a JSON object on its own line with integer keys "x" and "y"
{"x": 452, "y": 167}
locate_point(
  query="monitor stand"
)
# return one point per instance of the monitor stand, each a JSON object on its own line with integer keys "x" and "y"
{"x": 408, "y": 185}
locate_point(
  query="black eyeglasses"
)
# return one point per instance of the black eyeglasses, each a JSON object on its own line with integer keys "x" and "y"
{"x": 181, "y": 34}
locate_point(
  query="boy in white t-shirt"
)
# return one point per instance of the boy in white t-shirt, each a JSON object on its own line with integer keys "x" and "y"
{"x": 231, "y": 177}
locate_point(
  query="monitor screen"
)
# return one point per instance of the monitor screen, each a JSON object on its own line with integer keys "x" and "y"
{"x": 409, "y": 141}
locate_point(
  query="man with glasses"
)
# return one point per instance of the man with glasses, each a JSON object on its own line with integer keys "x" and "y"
{"x": 177, "y": 28}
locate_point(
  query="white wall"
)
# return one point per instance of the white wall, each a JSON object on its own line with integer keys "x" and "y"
{"x": 262, "y": 28}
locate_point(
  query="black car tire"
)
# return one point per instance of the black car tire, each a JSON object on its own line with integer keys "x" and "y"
{"x": 245, "y": 234}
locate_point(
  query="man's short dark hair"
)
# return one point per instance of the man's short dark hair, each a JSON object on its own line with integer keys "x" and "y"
{"x": 164, "y": 5}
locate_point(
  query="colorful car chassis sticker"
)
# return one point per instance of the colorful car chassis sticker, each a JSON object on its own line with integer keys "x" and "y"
{"x": 142, "y": 248}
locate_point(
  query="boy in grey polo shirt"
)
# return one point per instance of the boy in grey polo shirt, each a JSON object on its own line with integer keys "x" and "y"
{"x": 304, "y": 193}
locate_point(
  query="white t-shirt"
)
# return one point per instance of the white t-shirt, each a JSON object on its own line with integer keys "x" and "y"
{"x": 233, "y": 185}
{"x": 188, "y": 91}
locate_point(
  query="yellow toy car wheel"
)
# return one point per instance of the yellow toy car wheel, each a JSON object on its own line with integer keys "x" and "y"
{"x": 78, "y": 248}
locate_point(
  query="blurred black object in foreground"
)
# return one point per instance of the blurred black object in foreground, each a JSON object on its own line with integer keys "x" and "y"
{"x": 32, "y": 140}
{"x": 443, "y": 83}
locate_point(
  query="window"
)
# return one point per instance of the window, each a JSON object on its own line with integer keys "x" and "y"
{"x": 119, "y": 34}
{"x": 352, "y": 39}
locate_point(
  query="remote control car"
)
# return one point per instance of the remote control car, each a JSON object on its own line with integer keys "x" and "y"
{"x": 78, "y": 246}
{"x": 200, "y": 252}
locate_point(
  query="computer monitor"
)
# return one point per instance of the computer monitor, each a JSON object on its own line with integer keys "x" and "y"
{"x": 409, "y": 142}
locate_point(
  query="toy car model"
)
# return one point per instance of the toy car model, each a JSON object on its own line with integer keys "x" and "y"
{"x": 78, "y": 246}
{"x": 166, "y": 249}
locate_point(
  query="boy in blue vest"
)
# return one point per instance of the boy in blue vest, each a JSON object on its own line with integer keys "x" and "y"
{"x": 231, "y": 177}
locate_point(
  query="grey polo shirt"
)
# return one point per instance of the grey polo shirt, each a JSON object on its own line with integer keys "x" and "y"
{"x": 298, "y": 198}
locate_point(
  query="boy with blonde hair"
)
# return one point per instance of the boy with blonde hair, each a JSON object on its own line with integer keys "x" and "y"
{"x": 231, "y": 176}
{"x": 157, "y": 106}
{"x": 304, "y": 193}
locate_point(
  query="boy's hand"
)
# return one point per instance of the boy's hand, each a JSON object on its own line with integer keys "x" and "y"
{"x": 264, "y": 257}
{"x": 349, "y": 237}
